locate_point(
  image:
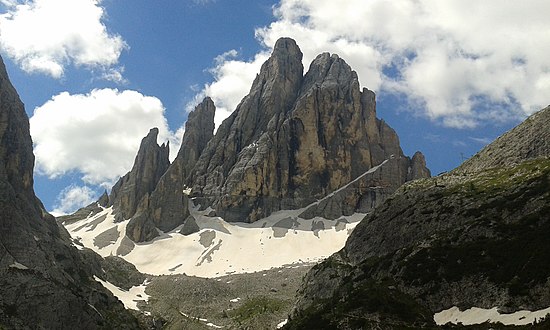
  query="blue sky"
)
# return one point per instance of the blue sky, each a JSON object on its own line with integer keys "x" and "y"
{"x": 450, "y": 76}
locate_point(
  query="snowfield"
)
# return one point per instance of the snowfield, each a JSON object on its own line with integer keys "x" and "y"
{"x": 219, "y": 248}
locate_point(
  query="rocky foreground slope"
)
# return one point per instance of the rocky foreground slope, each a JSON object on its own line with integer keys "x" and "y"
{"x": 293, "y": 141}
{"x": 45, "y": 282}
{"x": 478, "y": 236}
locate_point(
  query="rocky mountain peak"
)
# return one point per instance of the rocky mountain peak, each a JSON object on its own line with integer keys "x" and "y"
{"x": 167, "y": 205}
{"x": 150, "y": 164}
{"x": 285, "y": 60}
{"x": 285, "y": 147}
{"x": 292, "y": 141}
{"x": 330, "y": 69}
{"x": 418, "y": 167}
{"x": 199, "y": 129}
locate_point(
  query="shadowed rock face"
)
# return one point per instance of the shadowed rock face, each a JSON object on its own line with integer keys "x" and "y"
{"x": 166, "y": 207}
{"x": 150, "y": 164}
{"x": 478, "y": 236}
{"x": 44, "y": 281}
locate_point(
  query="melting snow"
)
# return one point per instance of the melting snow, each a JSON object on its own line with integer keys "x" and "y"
{"x": 282, "y": 324}
{"x": 234, "y": 248}
{"x": 129, "y": 298}
{"x": 476, "y": 315}
{"x": 221, "y": 248}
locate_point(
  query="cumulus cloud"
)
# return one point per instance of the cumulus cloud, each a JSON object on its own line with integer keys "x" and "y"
{"x": 96, "y": 134}
{"x": 47, "y": 35}
{"x": 459, "y": 63}
{"x": 72, "y": 198}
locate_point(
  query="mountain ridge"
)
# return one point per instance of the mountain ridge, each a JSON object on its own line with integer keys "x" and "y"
{"x": 473, "y": 237}
{"x": 292, "y": 140}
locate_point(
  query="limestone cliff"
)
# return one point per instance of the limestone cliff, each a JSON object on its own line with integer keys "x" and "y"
{"x": 150, "y": 164}
{"x": 45, "y": 283}
{"x": 167, "y": 205}
{"x": 295, "y": 139}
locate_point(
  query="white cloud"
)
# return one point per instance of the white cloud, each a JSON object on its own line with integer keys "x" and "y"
{"x": 72, "y": 198}
{"x": 97, "y": 134}
{"x": 459, "y": 62}
{"x": 47, "y": 35}
{"x": 232, "y": 81}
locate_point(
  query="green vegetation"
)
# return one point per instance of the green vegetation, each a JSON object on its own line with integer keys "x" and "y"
{"x": 513, "y": 205}
{"x": 369, "y": 304}
{"x": 255, "y": 307}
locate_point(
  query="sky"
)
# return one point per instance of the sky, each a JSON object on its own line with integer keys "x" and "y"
{"x": 96, "y": 75}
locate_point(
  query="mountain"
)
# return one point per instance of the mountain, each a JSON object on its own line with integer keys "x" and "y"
{"x": 294, "y": 139}
{"x": 295, "y": 142}
{"x": 476, "y": 237}
{"x": 45, "y": 282}
{"x": 167, "y": 205}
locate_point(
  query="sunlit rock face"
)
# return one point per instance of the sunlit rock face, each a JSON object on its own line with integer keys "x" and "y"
{"x": 294, "y": 142}
{"x": 295, "y": 139}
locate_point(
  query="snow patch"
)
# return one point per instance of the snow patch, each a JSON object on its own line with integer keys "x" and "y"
{"x": 129, "y": 298}
{"x": 477, "y": 315}
{"x": 205, "y": 321}
{"x": 18, "y": 265}
{"x": 282, "y": 324}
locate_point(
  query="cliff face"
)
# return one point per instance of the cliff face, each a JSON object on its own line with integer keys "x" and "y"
{"x": 150, "y": 164}
{"x": 294, "y": 140}
{"x": 166, "y": 207}
{"x": 468, "y": 238}
{"x": 44, "y": 281}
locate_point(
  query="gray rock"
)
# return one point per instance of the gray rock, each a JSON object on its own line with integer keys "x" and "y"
{"x": 150, "y": 164}
{"x": 295, "y": 140}
{"x": 167, "y": 206}
{"x": 190, "y": 226}
{"x": 474, "y": 237}
{"x": 45, "y": 282}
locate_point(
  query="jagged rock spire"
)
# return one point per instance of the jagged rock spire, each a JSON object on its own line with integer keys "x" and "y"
{"x": 150, "y": 164}
{"x": 167, "y": 205}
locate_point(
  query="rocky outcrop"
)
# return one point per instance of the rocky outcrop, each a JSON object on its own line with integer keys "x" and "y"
{"x": 167, "y": 205}
{"x": 529, "y": 140}
{"x": 45, "y": 282}
{"x": 150, "y": 164}
{"x": 294, "y": 140}
{"x": 466, "y": 239}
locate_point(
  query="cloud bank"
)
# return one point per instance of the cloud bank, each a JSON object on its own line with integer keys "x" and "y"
{"x": 459, "y": 63}
{"x": 97, "y": 134}
{"x": 47, "y": 35}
